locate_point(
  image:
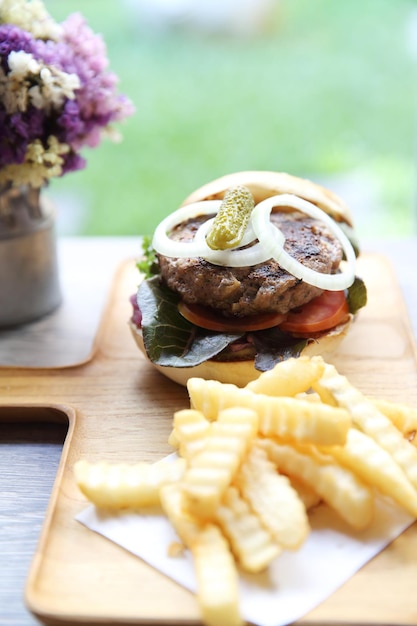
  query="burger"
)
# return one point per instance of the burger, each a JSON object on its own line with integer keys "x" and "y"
{"x": 254, "y": 268}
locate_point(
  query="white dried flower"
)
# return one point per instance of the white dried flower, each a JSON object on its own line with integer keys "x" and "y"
{"x": 31, "y": 16}
{"x": 46, "y": 87}
{"x": 14, "y": 85}
{"x": 21, "y": 64}
{"x": 40, "y": 164}
{"x": 52, "y": 88}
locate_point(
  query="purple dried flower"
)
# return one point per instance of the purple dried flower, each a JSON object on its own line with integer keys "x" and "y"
{"x": 73, "y": 162}
{"x": 29, "y": 124}
{"x": 78, "y": 115}
{"x": 70, "y": 125}
{"x": 17, "y": 131}
{"x": 13, "y": 39}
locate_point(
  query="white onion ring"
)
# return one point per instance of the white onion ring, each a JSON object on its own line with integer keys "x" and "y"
{"x": 163, "y": 244}
{"x": 261, "y": 223}
{"x": 234, "y": 257}
{"x": 269, "y": 245}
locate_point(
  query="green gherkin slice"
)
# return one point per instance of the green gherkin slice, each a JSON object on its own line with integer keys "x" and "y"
{"x": 232, "y": 219}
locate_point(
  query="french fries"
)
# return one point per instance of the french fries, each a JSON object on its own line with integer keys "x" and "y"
{"x": 210, "y": 470}
{"x": 335, "y": 484}
{"x": 253, "y": 462}
{"x": 124, "y": 486}
{"x": 216, "y": 574}
{"x": 190, "y": 429}
{"x": 288, "y": 378}
{"x": 252, "y": 544}
{"x": 368, "y": 418}
{"x": 285, "y": 417}
{"x": 273, "y": 499}
{"x": 377, "y": 467}
{"x": 402, "y": 416}
{"x": 217, "y": 579}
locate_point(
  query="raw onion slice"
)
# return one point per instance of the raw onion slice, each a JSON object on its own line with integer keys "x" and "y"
{"x": 237, "y": 257}
{"x": 267, "y": 239}
{"x": 234, "y": 257}
{"x": 163, "y": 244}
{"x": 264, "y": 231}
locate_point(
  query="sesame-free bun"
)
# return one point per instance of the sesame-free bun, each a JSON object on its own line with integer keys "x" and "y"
{"x": 264, "y": 184}
{"x": 240, "y": 373}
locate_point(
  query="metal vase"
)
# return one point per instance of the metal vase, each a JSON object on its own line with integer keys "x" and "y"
{"x": 29, "y": 279}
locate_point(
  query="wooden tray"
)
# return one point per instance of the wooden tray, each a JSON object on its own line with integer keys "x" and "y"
{"x": 119, "y": 408}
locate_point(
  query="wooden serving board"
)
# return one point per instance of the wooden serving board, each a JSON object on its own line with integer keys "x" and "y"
{"x": 118, "y": 408}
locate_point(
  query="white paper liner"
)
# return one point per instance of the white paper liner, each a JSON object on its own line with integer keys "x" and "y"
{"x": 295, "y": 583}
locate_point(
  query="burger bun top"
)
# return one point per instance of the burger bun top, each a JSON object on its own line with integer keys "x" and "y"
{"x": 264, "y": 184}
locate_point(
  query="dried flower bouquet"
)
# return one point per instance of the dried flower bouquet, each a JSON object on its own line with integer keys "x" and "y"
{"x": 56, "y": 93}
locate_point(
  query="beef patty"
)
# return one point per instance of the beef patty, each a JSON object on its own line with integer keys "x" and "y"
{"x": 261, "y": 288}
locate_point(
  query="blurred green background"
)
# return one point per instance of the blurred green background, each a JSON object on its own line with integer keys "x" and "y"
{"x": 323, "y": 89}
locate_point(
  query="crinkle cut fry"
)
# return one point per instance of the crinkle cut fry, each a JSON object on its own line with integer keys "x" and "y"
{"x": 402, "y": 416}
{"x": 216, "y": 572}
{"x": 122, "y": 485}
{"x": 368, "y": 419}
{"x": 289, "y": 377}
{"x": 190, "y": 429}
{"x": 273, "y": 499}
{"x": 210, "y": 471}
{"x": 286, "y": 417}
{"x": 337, "y": 486}
{"x": 307, "y": 494}
{"x": 376, "y": 467}
{"x": 218, "y": 593}
{"x": 252, "y": 544}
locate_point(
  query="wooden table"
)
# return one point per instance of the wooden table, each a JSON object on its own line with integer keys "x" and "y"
{"x": 30, "y": 452}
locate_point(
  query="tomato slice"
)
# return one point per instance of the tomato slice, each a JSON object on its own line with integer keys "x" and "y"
{"x": 324, "y": 312}
{"x": 208, "y": 318}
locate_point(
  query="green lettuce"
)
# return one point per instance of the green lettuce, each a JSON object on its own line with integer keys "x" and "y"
{"x": 171, "y": 340}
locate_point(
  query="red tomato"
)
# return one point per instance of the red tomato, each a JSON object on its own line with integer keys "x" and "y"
{"x": 324, "y": 312}
{"x": 207, "y": 318}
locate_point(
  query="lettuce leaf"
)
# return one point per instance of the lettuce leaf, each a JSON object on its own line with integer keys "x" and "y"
{"x": 148, "y": 264}
{"x": 170, "y": 340}
{"x": 273, "y": 345}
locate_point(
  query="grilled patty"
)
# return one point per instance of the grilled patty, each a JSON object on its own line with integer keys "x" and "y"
{"x": 261, "y": 288}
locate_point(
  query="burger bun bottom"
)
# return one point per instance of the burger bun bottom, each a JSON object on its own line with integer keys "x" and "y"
{"x": 240, "y": 373}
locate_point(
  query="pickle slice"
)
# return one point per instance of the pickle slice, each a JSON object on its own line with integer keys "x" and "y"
{"x": 232, "y": 219}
